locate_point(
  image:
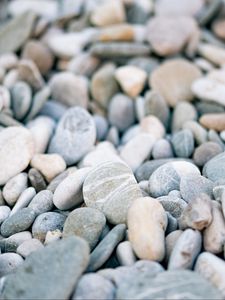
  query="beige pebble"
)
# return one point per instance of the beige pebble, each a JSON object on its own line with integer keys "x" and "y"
{"x": 213, "y": 121}
{"x": 213, "y": 53}
{"x": 218, "y": 28}
{"x": 8, "y": 61}
{"x": 153, "y": 126}
{"x": 14, "y": 188}
{"x": 118, "y": 32}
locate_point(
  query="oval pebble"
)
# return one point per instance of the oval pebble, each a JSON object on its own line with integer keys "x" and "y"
{"x": 42, "y": 202}
{"x": 4, "y": 213}
{"x": 183, "y": 143}
{"x": 9, "y": 262}
{"x": 28, "y": 247}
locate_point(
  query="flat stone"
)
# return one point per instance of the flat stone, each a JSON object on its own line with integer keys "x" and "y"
{"x": 213, "y": 121}
{"x": 37, "y": 181}
{"x": 17, "y": 149}
{"x": 205, "y": 152}
{"x": 77, "y": 130}
{"x": 42, "y": 202}
{"x": 183, "y": 143}
{"x": 173, "y": 74}
{"x": 125, "y": 254}
{"x": 58, "y": 179}
{"x": 213, "y": 53}
{"x": 183, "y": 112}
{"x": 9, "y": 262}
{"x": 29, "y": 281}
{"x": 23, "y": 200}
{"x": 14, "y": 188}
{"x": 86, "y": 223}
{"x": 117, "y": 32}
{"x": 28, "y": 247}
{"x": 214, "y": 169}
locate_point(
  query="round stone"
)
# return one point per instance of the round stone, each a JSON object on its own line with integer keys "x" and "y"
{"x": 183, "y": 143}
{"x": 9, "y": 262}
{"x": 152, "y": 125}
{"x": 77, "y": 131}
{"x": 162, "y": 149}
{"x": 214, "y": 169}
{"x": 28, "y": 247}
{"x": 213, "y": 121}
{"x": 42, "y": 202}
{"x": 205, "y": 152}
{"x": 183, "y": 112}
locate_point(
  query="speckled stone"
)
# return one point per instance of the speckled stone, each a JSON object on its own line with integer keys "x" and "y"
{"x": 183, "y": 143}
{"x": 214, "y": 169}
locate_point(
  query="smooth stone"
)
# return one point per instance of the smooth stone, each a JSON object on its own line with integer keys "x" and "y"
{"x": 197, "y": 214}
{"x": 213, "y": 53}
{"x": 111, "y": 188}
{"x": 172, "y": 223}
{"x": 18, "y": 222}
{"x": 4, "y": 213}
{"x": 42, "y": 202}
{"x": 64, "y": 84}
{"x": 186, "y": 250}
{"x": 199, "y": 132}
{"x": 23, "y": 200}
{"x": 11, "y": 78}
{"x": 9, "y": 262}
{"x": 162, "y": 149}
{"x": 103, "y": 84}
{"x": 214, "y": 234}
{"x": 101, "y": 124}
{"x": 117, "y": 32}
{"x": 173, "y": 204}
{"x": 77, "y": 130}
{"x": 113, "y": 136}
{"x": 213, "y": 121}
{"x": 86, "y": 223}
{"x": 58, "y": 179}
{"x": 68, "y": 193}
{"x": 152, "y": 125}
{"x": 183, "y": 143}
{"x": 199, "y": 184}
{"x": 28, "y": 247}
{"x": 212, "y": 268}
{"x": 125, "y": 254}
{"x": 214, "y": 169}
{"x": 105, "y": 248}
{"x": 218, "y": 28}
{"x": 206, "y": 152}
{"x": 32, "y": 285}
{"x": 8, "y": 61}
{"x": 53, "y": 109}
{"x": 11, "y": 243}
{"x": 124, "y": 117}
{"x": 203, "y": 64}
{"x": 204, "y": 107}
{"x": 218, "y": 193}
{"x": 83, "y": 64}
{"x": 17, "y": 149}
{"x": 148, "y": 64}
{"x": 16, "y": 32}
{"x": 41, "y": 128}
{"x": 131, "y": 79}
{"x": 167, "y": 177}
{"x": 50, "y": 165}
{"x": 6, "y": 120}
{"x": 39, "y": 54}
{"x": 147, "y": 222}
{"x": 130, "y": 133}
{"x": 21, "y": 97}
{"x": 94, "y": 286}
{"x": 14, "y": 188}
{"x": 45, "y": 222}
{"x": 175, "y": 73}
{"x": 170, "y": 242}
{"x": 137, "y": 150}
{"x": 36, "y": 180}
{"x": 144, "y": 187}
{"x": 183, "y": 112}
{"x": 213, "y": 136}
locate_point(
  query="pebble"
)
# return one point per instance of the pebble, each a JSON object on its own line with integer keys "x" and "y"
{"x": 45, "y": 222}
{"x": 77, "y": 130}
{"x": 152, "y": 125}
{"x": 218, "y": 28}
{"x": 64, "y": 84}
{"x": 117, "y": 32}
{"x": 28, "y": 247}
{"x": 106, "y": 247}
{"x": 8, "y": 61}
{"x": 125, "y": 254}
{"x": 205, "y": 152}
{"x": 170, "y": 242}
{"x": 209, "y": 107}
{"x": 53, "y": 109}
{"x": 53, "y": 236}
{"x": 213, "y": 121}
{"x": 131, "y": 79}
{"x": 173, "y": 204}
{"x": 183, "y": 143}
{"x": 36, "y": 180}
{"x": 14, "y": 187}
{"x": 50, "y": 165}
{"x": 20, "y": 221}
{"x": 101, "y": 124}
{"x": 213, "y": 53}
{"x": 83, "y": 64}
{"x": 214, "y": 169}
{"x": 11, "y": 243}
{"x": 32, "y": 285}
{"x": 147, "y": 222}
{"x": 68, "y": 193}
{"x": 94, "y": 286}
{"x": 123, "y": 118}
{"x": 213, "y": 136}
{"x": 85, "y": 222}
{"x": 42, "y": 202}
{"x": 167, "y": 177}
{"x": 175, "y": 73}
{"x": 4, "y": 213}
{"x": 199, "y": 132}
{"x": 9, "y": 262}
{"x": 212, "y": 268}
{"x": 58, "y": 179}
{"x": 183, "y": 112}
{"x": 172, "y": 223}
{"x": 17, "y": 149}
{"x": 162, "y": 149}
{"x": 186, "y": 250}
{"x": 23, "y": 200}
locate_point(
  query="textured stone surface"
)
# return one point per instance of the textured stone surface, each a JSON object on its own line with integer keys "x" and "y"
{"x": 214, "y": 169}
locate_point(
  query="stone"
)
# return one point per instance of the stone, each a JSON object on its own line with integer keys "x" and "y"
{"x": 19, "y": 27}
{"x": 105, "y": 248}
{"x": 209, "y": 107}
{"x": 199, "y": 185}
{"x": 68, "y": 193}
{"x": 28, "y": 247}
{"x": 214, "y": 234}
{"x": 39, "y": 54}
{"x": 212, "y": 268}
{"x": 214, "y": 169}
{"x": 42, "y": 202}
{"x": 131, "y": 79}
{"x": 4, "y": 213}
{"x": 213, "y": 136}
{"x": 83, "y": 64}
{"x": 8, "y": 61}
{"x": 117, "y": 32}
{"x": 111, "y": 188}
{"x": 50, "y": 165}
{"x": 29, "y": 284}
{"x": 183, "y": 112}
{"x": 172, "y": 223}
{"x": 85, "y": 222}
{"x": 173, "y": 204}
{"x": 170, "y": 242}
{"x": 53, "y": 236}
{"x": 197, "y": 214}
{"x": 213, "y": 121}
{"x": 199, "y": 132}
{"x": 101, "y": 124}
{"x": 53, "y": 109}
{"x": 147, "y": 222}
{"x": 183, "y": 143}
{"x": 11, "y": 243}
{"x": 64, "y": 84}
{"x": 93, "y": 286}
{"x": 36, "y": 180}
{"x": 175, "y": 73}
{"x": 58, "y": 179}
{"x": 218, "y": 28}
{"x": 9, "y": 262}
{"x": 103, "y": 84}
{"x": 213, "y": 53}
{"x": 45, "y": 222}
{"x": 14, "y": 188}
{"x": 21, "y": 95}
{"x": 108, "y": 13}
{"x": 18, "y": 222}
{"x": 17, "y": 149}
{"x": 168, "y": 35}
{"x": 186, "y": 250}
{"x": 152, "y": 125}
{"x": 162, "y": 149}
{"x": 125, "y": 254}
{"x": 167, "y": 177}
{"x": 77, "y": 130}
{"x": 23, "y": 200}
{"x": 137, "y": 150}
{"x": 206, "y": 152}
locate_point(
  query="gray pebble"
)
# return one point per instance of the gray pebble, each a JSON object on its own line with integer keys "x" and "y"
{"x": 42, "y": 202}
{"x": 59, "y": 178}
{"x": 172, "y": 223}
{"x": 37, "y": 180}
{"x": 205, "y": 152}
{"x": 28, "y": 247}
{"x": 183, "y": 112}
{"x": 53, "y": 109}
{"x": 12, "y": 243}
{"x": 162, "y": 149}
{"x": 24, "y": 199}
{"x": 4, "y": 213}
{"x": 209, "y": 108}
{"x": 21, "y": 97}
{"x": 214, "y": 169}
{"x": 213, "y": 136}
{"x": 200, "y": 133}
{"x": 183, "y": 143}
{"x": 113, "y": 136}
{"x": 9, "y": 262}
{"x": 125, "y": 254}
{"x": 101, "y": 127}
{"x": 170, "y": 242}
{"x": 174, "y": 205}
